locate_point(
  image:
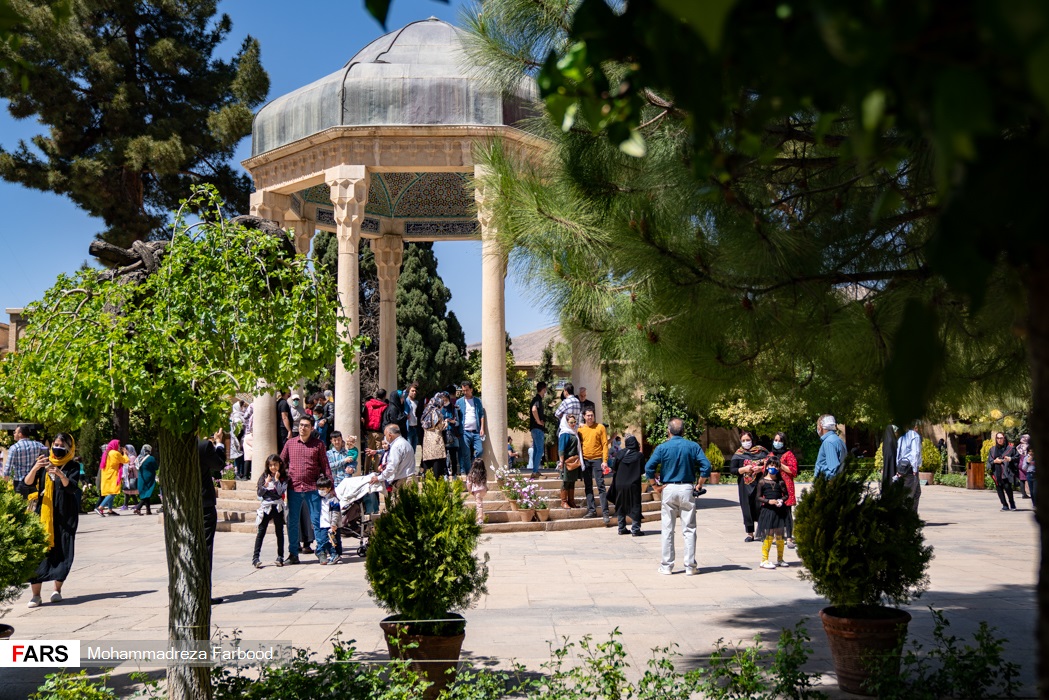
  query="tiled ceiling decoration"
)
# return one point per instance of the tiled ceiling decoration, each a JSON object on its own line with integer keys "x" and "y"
{"x": 411, "y": 196}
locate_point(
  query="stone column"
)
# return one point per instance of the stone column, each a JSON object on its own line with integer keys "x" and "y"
{"x": 586, "y": 372}
{"x": 493, "y": 330}
{"x": 263, "y": 432}
{"x": 389, "y": 252}
{"x": 349, "y": 194}
{"x": 303, "y": 234}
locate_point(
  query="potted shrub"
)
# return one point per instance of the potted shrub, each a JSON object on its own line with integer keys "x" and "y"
{"x": 932, "y": 460}
{"x": 23, "y": 543}
{"x": 511, "y": 483}
{"x": 542, "y": 509}
{"x": 865, "y": 552}
{"x": 229, "y": 478}
{"x": 423, "y": 568}
{"x": 717, "y": 462}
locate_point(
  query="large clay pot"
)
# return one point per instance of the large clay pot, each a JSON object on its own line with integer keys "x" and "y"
{"x": 715, "y": 477}
{"x": 435, "y": 657}
{"x": 229, "y": 484}
{"x": 6, "y": 631}
{"x": 543, "y": 514}
{"x": 928, "y": 477}
{"x": 855, "y": 641}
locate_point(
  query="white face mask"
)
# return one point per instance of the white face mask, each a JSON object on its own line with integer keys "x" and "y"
{"x": 747, "y": 444}
{"x": 778, "y": 445}
{"x": 323, "y": 493}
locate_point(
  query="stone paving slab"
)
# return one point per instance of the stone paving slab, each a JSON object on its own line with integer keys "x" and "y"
{"x": 548, "y": 585}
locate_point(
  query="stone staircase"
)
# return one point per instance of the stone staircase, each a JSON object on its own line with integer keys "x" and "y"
{"x": 236, "y": 509}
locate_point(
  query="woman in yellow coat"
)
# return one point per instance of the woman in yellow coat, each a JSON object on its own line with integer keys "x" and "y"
{"x": 113, "y": 460}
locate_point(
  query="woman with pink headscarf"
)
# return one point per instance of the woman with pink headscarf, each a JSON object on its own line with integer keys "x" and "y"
{"x": 113, "y": 458}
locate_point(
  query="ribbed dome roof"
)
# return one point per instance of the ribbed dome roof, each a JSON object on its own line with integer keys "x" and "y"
{"x": 416, "y": 75}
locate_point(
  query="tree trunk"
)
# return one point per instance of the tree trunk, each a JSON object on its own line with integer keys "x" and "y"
{"x": 1038, "y": 348}
{"x": 122, "y": 424}
{"x": 189, "y": 562}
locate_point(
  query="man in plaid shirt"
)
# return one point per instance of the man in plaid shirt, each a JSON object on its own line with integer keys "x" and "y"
{"x": 569, "y": 407}
{"x": 22, "y": 455}
{"x": 307, "y": 459}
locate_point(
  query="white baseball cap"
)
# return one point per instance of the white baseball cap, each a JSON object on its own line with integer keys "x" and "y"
{"x": 829, "y": 423}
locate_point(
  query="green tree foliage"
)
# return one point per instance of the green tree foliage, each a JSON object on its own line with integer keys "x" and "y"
{"x": 861, "y": 547}
{"x": 228, "y": 309}
{"x": 23, "y": 541}
{"x": 422, "y": 561}
{"x": 519, "y": 391}
{"x": 431, "y": 348}
{"x": 137, "y": 108}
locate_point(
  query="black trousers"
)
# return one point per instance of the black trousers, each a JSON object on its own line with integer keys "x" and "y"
{"x": 748, "y": 503}
{"x": 278, "y": 527}
{"x": 211, "y": 521}
{"x": 635, "y": 516}
{"x": 1005, "y": 490}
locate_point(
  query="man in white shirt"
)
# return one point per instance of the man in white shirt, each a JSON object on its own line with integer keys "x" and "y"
{"x": 909, "y": 448}
{"x": 400, "y": 462}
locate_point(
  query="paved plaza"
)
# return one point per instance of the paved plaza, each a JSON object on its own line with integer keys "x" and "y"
{"x": 548, "y": 585}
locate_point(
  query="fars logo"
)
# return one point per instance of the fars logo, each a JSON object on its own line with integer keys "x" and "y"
{"x": 41, "y": 653}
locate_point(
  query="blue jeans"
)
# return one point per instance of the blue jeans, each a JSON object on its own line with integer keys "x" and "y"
{"x": 328, "y": 544}
{"x": 472, "y": 448}
{"x": 538, "y": 447}
{"x": 413, "y": 436}
{"x": 295, "y": 502}
{"x": 106, "y": 502}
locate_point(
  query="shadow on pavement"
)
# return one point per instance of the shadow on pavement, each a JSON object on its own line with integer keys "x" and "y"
{"x": 260, "y": 594}
{"x": 79, "y": 599}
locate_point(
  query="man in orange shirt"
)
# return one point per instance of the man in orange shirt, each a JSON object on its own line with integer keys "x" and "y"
{"x": 594, "y": 441}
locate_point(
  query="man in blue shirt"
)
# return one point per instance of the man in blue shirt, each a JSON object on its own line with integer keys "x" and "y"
{"x": 832, "y": 449}
{"x": 909, "y": 448}
{"x": 678, "y": 458}
{"x": 23, "y": 454}
{"x": 472, "y": 419}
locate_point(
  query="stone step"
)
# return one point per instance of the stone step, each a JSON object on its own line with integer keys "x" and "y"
{"x": 504, "y": 516}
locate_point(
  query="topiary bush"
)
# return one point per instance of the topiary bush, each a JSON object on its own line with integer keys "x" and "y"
{"x": 860, "y": 547}
{"x": 421, "y": 561}
{"x": 932, "y": 460}
{"x": 986, "y": 449}
{"x": 716, "y": 457}
{"x": 23, "y": 543}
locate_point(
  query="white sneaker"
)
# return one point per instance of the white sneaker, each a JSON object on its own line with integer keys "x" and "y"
{"x": 35, "y": 602}
{"x": 767, "y": 565}
{"x": 782, "y": 563}
{"x": 691, "y": 570}
{"x": 666, "y": 570}
{"x": 56, "y": 597}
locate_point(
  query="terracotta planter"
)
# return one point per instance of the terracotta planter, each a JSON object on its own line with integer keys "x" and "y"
{"x": 6, "y": 631}
{"x": 514, "y": 506}
{"x": 928, "y": 477}
{"x": 854, "y": 641}
{"x": 543, "y": 514}
{"x": 435, "y": 657}
{"x": 527, "y": 514}
{"x": 715, "y": 477}
{"x": 229, "y": 484}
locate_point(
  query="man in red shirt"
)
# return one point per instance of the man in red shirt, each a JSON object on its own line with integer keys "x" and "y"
{"x": 306, "y": 459}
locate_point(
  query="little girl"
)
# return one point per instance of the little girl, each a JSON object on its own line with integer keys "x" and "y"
{"x": 272, "y": 486}
{"x": 772, "y": 520}
{"x": 477, "y": 484}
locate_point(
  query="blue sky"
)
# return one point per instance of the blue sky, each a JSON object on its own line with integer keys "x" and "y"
{"x": 43, "y": 234}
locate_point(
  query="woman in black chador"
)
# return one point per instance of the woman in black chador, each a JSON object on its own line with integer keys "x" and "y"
{"x": 1002, "y": 463}
{"x": 53, "y": 490}
{"x": 625, "y": 492}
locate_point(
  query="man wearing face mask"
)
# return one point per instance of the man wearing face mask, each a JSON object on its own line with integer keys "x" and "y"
{"x": 832, "y": 449}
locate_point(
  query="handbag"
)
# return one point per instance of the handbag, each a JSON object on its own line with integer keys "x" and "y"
{"x": 572, "y": 463}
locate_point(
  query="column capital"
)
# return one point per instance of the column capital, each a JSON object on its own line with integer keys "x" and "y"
{"x": 349, "y": 194}
{"x": 389, "y": 254}
{"x": 270, "y": 205}
{"x": 304, "y": 230}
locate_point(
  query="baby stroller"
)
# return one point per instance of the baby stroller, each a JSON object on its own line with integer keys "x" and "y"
{"x": 355, "y": 522}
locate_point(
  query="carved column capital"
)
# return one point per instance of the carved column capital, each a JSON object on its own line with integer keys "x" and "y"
{"x": 389, "y": 253}
{"x": 270, "y": 205}
{"x": 349, "y": 194}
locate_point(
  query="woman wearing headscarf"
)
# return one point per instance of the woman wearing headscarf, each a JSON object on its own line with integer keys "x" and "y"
{"x": 748, "y": 464}
{"x": 1001, "y": 462}
{"x": 569, "y": 461}
{"x": 394, "y": 413}
{"x": 1021, "y": 457}
{"x": 433, "y": 424}
{"x": 147, "y": 479}
{"x": 788, "y": 469}
{"x": 625, "y": 492}
{"x": 53, "y": 483}
{"x": 113, "y": 459}
{"x": 129, "y": 479}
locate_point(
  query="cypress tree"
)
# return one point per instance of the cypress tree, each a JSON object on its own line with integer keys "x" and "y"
{"x": 136, "y": 106}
